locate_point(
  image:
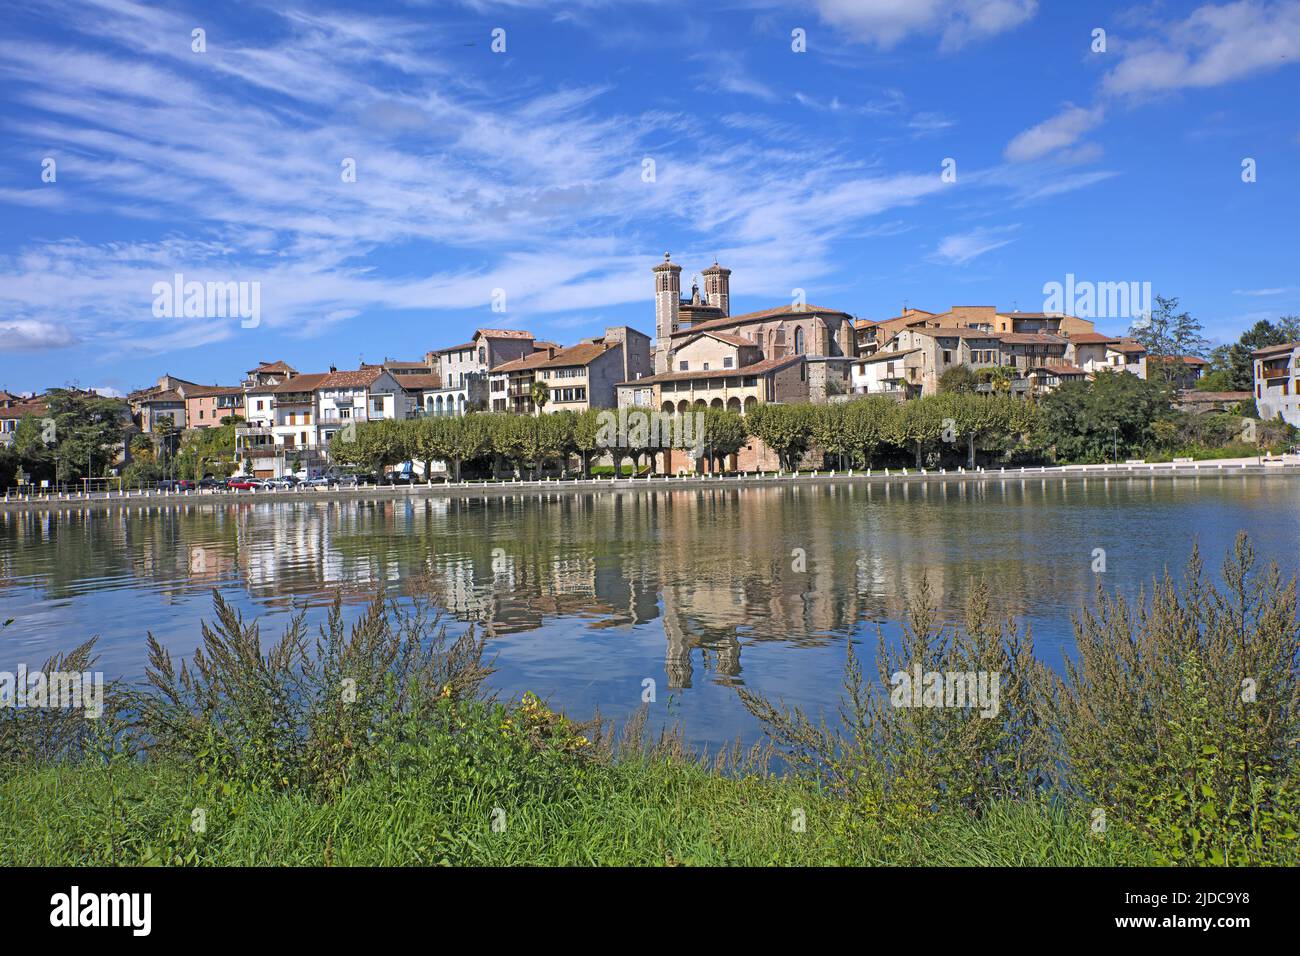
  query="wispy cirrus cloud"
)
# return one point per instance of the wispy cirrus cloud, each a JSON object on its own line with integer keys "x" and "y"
{"x": 960, "y": 248}
{"x": 887, "y": 23}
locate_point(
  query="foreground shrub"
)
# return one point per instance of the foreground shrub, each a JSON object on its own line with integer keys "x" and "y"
{"x": 1180, "y": 718}
{"x": 1178, "y": 724}
{"x": 898, "y": 764}
{"x": 306, "y": 714}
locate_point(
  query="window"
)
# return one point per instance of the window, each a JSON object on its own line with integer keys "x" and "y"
{"x": 200, "y": 414}
{"x": 798, "y": 341}
{"x": 728, "y": 362}
{"x": 259, "y": 404}
{"x": 684, "y": 366}
{"x": 706, "y": 366}
{"x": 947, "y": 357}
{"x": 377, "y": 406}
{"x": 345, "y": 411}
{"x": 482, "y": 355}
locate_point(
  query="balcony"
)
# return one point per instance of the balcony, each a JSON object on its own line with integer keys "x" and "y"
{"x": 1275, "y": 372}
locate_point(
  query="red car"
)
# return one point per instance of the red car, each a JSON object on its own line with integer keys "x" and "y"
{"x": 244, "y": 484}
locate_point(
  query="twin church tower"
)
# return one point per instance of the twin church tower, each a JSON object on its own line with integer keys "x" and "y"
{"x": 674, "y": 313}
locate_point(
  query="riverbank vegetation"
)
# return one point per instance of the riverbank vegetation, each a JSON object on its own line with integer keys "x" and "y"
{"x": 1114, "y": 417}
{"x": 1170, "y": 737}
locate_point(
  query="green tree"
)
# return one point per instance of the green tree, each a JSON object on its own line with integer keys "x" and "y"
{"x": 1110, "y": 416}
{"x": 88, "y": 428}
{"x": 865, "y": 425}
{"x": 471, "y": 439}
{"x": 959, "y": 378}
{"x": 786, "y": 429}
{"x": 724, "y": 435}
{"x": 917, "y": 425}
{"x": 829, "y": 431}
{"x": 1168, "y": 335}
{"x": 555, "y": 438}
{"x": 586, "y": 432}
{"x": 540, "y": 395}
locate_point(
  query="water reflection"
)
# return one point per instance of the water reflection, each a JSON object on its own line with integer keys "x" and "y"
{"x": 710, "y": 575}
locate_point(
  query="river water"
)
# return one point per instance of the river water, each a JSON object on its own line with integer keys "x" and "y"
{"x": 588, "y": 596}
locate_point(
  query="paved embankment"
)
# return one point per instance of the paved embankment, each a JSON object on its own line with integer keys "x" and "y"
{"x": 1236, "y": 468}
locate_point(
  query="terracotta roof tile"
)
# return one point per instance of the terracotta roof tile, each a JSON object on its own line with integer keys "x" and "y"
{"x": 534, "y": 360}
{"x": 760, "y": 316}
{"x": 1092, "y": 338}
{"x": 575, "y": 355}
{"x": 300, "y": 383}
{"x": 358, "y": 378}
{"x": 419, "y": 382}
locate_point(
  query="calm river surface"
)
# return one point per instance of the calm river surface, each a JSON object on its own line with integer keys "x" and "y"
{"x": 589, "y": 595}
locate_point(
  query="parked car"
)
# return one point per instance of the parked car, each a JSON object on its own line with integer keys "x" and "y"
{"x": 320, "y": 481}
{"x": 245, "y": 484}
{"x": 210, "y": 482}
{"x": 286, "y": 481}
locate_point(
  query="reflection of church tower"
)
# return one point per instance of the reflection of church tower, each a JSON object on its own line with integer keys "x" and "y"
{"x": 668, "y": 289}
{"x": 677, "y": 660}
{"x": 717, "y": 287}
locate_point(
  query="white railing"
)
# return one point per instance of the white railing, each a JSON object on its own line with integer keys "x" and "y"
{"x": 1209, "y": 467}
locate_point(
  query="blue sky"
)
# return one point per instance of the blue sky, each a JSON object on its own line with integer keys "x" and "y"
{"x": 522, "y": 170}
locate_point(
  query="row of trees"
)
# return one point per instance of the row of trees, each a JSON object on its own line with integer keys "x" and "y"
{"x": 860, "y": 433}
{"x": 867, "y": 430}
{"x": 527, "y": 442}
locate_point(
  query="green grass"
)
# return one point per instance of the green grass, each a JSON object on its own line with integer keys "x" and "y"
{"x": 640, "y": 812}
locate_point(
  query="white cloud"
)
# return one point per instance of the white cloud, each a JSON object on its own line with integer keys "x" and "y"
{"x": 961, "y": 248}
{"x": 1281, "y": 290}
{"x": 1062, "y": 130}
{"x": 26, "y": 335}
{"x": 1214, "y": 45}
{"x": 886, "y": 23}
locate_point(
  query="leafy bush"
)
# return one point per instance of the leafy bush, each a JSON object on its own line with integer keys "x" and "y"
{"x": 304, "y": 715}
{"x": 1178, "y": 721}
